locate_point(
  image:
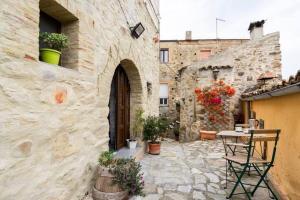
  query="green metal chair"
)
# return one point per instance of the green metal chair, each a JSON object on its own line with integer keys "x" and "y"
{"x": 239, "y": 164}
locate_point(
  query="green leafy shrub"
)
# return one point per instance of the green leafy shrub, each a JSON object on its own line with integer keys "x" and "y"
{"x": 138, "y": 123}
{"x": 56, "y": 41}
{"x": 106, "y": 158}
{"x": 154, "y": 127}
{"x": 127, "y": 174}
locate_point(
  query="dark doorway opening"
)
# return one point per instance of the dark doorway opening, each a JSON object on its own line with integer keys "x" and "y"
{"x": 119, "y": 110}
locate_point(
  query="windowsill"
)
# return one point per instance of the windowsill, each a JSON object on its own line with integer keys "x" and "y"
{"x": 163, "y": 105}
{"x": 57, "y": 67}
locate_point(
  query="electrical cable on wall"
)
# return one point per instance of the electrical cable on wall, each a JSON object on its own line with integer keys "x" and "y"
{"x": 124, "y": 14}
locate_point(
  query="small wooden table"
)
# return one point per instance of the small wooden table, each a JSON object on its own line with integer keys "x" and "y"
{"x": 236, "y": 135}
{"x": 231, "y": 135}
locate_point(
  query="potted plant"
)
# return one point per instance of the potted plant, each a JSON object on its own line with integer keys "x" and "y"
{"x": 153, "y": 128}
{"x": 214, "y": 99}
{"x": 54, "y": 43}
{"x": 127, "y": 174}
{"x": 117, "y": 178}
{"x": 137, "y": 128}
{"x": 104, "y": 186}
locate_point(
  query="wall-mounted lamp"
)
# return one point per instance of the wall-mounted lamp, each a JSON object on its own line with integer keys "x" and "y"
{"x": 215, "y": 73}
{"x": 149, "y": 87}
{"x": 137, "y": 30}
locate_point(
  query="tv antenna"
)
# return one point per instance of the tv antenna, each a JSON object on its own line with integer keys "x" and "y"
{"x": 221, "y": 20}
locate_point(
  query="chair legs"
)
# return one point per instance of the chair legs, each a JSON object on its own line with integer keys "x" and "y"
{"x": 226, "y": 176}
{"x": 262, "y": 178}
{"x": 239, "y": 181}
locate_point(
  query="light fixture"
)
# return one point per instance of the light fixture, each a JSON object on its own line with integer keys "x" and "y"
{"x": 149, "y": 87}
{"x": 215, "y": 73}
{"x": 137, "y": 30}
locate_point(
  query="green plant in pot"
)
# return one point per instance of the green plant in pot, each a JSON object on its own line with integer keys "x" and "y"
{"x": 54, "y": 43}
{"x": 127, "y": 174}
{"x": 106, "y": 159}
{"x": 117, "y": 178}
{"x": 137, "y": 129}
{"x": 153, "y": 129}
{"x": 104, "y": 186}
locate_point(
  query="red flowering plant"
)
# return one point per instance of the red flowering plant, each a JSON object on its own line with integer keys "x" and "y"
{"x": 213, "y": 99}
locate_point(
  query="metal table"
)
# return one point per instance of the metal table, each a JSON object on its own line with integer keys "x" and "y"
{"x": 231, "y": 135}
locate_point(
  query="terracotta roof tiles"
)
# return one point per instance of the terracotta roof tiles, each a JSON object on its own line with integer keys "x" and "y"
{"x": 262, "y": 88}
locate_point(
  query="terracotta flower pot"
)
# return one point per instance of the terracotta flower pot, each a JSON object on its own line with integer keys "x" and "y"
{"x": 154, "y": 148}
{"x": 207, "y": 135}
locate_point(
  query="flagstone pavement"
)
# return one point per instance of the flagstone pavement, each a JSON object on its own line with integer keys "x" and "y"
{"x": 193, "y": 170}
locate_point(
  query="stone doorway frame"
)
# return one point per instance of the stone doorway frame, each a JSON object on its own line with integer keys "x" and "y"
{"x": 136, "y": 88}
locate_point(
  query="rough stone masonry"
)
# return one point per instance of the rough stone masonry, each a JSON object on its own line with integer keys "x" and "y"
{"x": 238, "y": 66}
{"x": 53, "y": 119}
{"x": 183, "y": 53}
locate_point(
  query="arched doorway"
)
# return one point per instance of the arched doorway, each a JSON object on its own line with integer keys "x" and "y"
{"x": 119, "y": 109}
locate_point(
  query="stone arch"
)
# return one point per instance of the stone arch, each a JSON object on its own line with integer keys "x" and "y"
{"x": 136, "y": 87}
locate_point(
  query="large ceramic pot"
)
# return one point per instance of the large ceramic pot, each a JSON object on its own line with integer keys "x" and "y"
{"x": 207, "y": 135}
{"x": 98, "y": 195}
{"x": 105, "y": 189}
{"x": 50, "y": 56}
{"x": 154, "y": 148}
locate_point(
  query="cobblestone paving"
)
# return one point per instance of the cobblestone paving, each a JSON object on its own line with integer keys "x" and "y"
{"x": 193, "y": 170}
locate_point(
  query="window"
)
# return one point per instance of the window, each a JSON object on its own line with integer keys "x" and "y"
{"x": 204, "y": 54}
{"x": 164, "y": 55}
{"x": 55, "y": 18}
{"x": 163, "y": 94}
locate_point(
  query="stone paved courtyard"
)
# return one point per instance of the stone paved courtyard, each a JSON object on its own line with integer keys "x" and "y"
{"x": 193, "y": 170}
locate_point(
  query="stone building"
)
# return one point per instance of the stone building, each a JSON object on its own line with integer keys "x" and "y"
{"x": 239, "y": 66}
{"x": 56, "y": 120}
{"x": 176, "y": 55}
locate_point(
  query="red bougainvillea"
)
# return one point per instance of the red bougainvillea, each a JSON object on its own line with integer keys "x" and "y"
{"x": 213, "y": 99}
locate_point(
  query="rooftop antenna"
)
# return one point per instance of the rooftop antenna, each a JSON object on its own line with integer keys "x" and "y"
{"x": 221, "y": 20}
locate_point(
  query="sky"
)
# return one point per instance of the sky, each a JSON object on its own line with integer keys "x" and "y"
{"x": 199, "y": 16}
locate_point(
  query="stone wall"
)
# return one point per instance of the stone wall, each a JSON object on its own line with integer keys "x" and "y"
{"x": 54, "y": 119}
{"x": 183, "y": 53}
{"x": 239, "y": 67}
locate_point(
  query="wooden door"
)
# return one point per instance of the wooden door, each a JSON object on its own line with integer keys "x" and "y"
{"x": 122, "y": 107}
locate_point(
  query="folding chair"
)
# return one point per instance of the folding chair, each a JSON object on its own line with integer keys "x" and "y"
{"x": 245, "y": 161}
{"x": 232, "y": 146}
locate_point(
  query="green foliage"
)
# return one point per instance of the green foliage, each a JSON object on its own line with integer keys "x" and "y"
{"x": 154, "y": 127}
{"x": 106, "y": 158}
{"x": 54, "y": 41}
{"x": 138, "y": 123}
{"x": 127, "y": 174}
{"x": 176, "y": 130}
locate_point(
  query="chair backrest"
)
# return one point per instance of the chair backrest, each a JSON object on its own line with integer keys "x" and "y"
{"x": 263, "y": 135}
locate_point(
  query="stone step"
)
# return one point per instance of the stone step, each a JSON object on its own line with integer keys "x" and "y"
{"x": 125, "y": 152}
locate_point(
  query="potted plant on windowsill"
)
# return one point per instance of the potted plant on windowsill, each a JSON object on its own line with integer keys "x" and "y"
{"x": 137, "y": 128}
{"x": 153, "y": 129}
{"x": 54, "y": 43}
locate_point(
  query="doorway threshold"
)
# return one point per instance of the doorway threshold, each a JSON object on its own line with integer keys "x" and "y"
{"x": 125, "y": 152}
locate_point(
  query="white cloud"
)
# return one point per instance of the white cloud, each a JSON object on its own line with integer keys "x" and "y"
{"x": 199, "y": 16}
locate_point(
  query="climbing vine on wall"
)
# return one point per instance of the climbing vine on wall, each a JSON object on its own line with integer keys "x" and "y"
{"x": 213, "y": 98}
